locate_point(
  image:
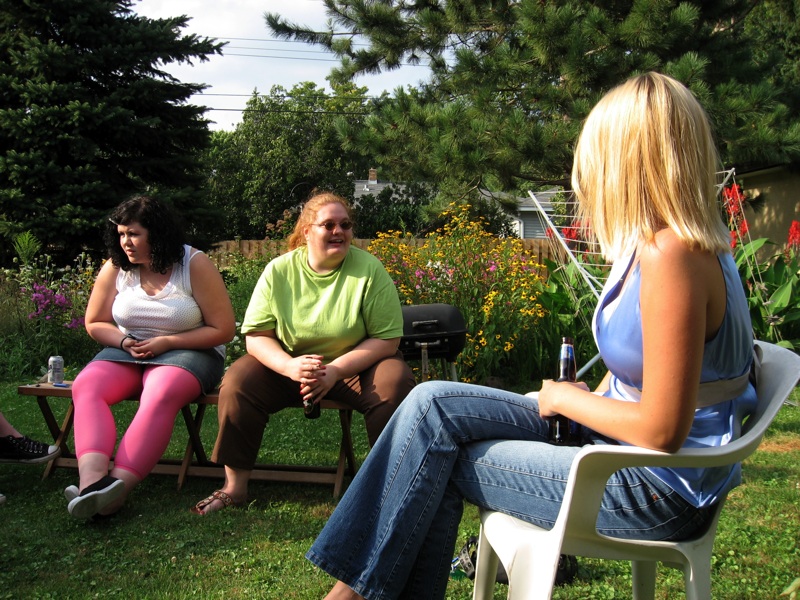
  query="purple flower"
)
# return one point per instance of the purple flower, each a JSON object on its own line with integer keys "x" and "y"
{"x": 75, "y": 323}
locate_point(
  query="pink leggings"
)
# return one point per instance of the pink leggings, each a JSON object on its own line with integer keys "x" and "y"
{"x": 162, "y": 391}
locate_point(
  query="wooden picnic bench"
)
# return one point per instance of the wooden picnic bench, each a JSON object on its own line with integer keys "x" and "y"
{"x": 195, "y": 462}
{"x": 430, "y": 331}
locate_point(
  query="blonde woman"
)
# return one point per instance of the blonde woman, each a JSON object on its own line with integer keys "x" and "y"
{"x": 672, "y": 323}
{"x": 324, "y": 321}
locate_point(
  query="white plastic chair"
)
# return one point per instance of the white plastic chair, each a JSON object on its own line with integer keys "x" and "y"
{"x": 530, "y": 554}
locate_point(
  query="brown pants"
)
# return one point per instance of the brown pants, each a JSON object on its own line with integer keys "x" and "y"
{"x": 250, "y": 393}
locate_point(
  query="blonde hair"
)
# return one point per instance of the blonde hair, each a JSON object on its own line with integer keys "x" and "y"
{"x": 646, "y": 161}
{"x": 309, "y": 215}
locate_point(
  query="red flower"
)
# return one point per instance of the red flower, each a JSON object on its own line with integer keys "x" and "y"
{"x": 743, "y": 228}
{"x": 733, "y": 200}
{"x": 733, "y": 193}
{"x": 794, "y": 235}
{"x": 570, "y": 234}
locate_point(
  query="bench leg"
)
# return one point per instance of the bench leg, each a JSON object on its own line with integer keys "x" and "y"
{"x": 347, "y": 459}
{"x": 60, "y": 434}
{"x": 194, "y": 446}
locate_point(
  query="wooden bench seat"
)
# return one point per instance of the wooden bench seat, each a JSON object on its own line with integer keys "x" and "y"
{"x": 195, "y": 462}
{"x": 430, "y": 331}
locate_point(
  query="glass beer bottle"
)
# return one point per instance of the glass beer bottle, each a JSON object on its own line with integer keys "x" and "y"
{"x": 563, "y": 432}
{"x": 311, "y": 409}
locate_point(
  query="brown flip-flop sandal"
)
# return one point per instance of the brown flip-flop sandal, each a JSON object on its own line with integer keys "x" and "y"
{"x": 226, "y": 500}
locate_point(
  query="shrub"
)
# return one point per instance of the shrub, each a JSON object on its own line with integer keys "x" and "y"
{"x": 573, "y": 291}
{"x": 43, "y": 309}
{"x": 240, "y": 275}
{"x": 495, "y": 283}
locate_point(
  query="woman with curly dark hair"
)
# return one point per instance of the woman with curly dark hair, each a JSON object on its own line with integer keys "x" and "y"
{"x": 161, "y": 309}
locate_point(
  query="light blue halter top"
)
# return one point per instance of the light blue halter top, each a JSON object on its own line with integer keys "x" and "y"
{"x": 617, "y": 330}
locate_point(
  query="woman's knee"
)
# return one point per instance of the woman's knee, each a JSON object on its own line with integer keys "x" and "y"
{"x": 389, "y": 380}
{"x": 106, "y": 381}
{"x": 249, "y": 390}
{"x": 168, "y": 386}
{"x": 239, "y": 375}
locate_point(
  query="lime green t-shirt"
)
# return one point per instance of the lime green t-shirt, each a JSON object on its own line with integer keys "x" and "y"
{"x": 326, "y": 314}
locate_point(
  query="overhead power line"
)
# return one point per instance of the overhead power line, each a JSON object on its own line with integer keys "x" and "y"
{"x": 293, "y": 112}
{"x": 282, "y": 57}
{"x": 272, "y": 40}
{"x": 278, "y": 49}
{"x": 285, "y": 96}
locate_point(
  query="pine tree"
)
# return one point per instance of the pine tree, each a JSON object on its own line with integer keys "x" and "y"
{"x": 511, "y": 81}
{"x": 775, "y": 26}
{"x": 88, "y": 116}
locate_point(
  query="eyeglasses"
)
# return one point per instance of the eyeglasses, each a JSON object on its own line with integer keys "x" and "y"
{"x": 331, "y": 225}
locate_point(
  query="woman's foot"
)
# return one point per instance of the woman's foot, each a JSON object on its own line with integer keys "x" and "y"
{"x": 71, "y": 492}
{"x": 218, "y": 500}
{"x": 342, "y": 591}
{"x": 26, "y": 451}
{"x": 94, "y": 498}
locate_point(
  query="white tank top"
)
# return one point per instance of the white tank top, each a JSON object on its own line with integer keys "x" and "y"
{"x": 172, "y": 310}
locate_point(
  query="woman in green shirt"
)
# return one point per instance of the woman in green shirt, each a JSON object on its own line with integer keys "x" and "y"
{"x": 324, "y": 321}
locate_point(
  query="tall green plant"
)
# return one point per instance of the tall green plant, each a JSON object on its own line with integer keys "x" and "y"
{"x": 570, "y": 305}
{"x": 772, "y": 287}
{"x": 26, "y": 246}
{"x": 90, "y": 115}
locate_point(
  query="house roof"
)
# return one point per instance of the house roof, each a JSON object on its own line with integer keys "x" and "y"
{"x": 545, "y": 199}
{"x": 364, "y": 187}
{"x": 525, "y": 203}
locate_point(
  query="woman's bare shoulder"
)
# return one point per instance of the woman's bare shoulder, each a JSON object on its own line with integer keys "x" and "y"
{"x": 668, "y": 250}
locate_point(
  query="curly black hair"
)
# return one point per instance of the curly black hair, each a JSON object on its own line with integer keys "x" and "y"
{"x": 165, "y": 235}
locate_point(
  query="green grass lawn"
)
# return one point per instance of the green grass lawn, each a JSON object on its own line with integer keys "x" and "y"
{"x": 157, "y": 549}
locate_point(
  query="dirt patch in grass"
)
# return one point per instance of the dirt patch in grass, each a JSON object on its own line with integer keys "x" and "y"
{"x": 782, "y": 445}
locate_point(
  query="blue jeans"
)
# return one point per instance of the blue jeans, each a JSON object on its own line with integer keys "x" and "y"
{"x": 393, "y": 533}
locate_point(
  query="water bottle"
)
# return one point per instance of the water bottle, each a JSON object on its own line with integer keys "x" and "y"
{"x": 563, "y": 431}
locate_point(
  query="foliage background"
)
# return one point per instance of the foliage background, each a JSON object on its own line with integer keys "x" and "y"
{"x": 513, "y": 326}
{"x": 285, "y": 147}
{"x": 88, "y": 116}
{"x": 512, "y": 81}
{"x": 516, "y": 305}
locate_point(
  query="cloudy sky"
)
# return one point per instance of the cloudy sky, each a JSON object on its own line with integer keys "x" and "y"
{"x": 253, "y": 60}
